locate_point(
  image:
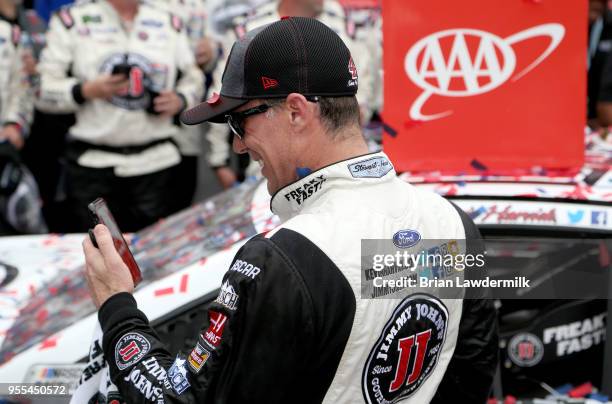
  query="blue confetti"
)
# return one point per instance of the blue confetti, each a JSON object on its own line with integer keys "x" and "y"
{"x": 303, "y": 172}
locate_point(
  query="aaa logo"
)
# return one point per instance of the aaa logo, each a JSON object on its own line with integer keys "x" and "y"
{"x": 478, "y": 62}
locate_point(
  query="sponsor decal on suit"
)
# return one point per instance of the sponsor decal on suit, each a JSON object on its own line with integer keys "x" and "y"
{"x": 407, "y": 350}
{"x": 130, "y": 349}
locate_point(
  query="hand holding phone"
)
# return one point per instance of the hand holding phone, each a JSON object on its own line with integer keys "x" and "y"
{"x": 102, "y": 214}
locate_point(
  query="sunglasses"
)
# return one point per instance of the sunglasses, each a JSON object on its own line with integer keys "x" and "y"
{"x": 235, "y": 120}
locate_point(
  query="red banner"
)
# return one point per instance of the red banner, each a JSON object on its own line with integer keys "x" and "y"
{"x": 496, "y": 85}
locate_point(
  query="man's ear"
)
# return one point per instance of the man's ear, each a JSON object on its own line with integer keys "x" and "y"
{"x": 301, "y": 111}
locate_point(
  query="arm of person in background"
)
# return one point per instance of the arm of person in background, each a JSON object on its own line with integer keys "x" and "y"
{"x": 18, "y": 111}
{"x": 59, "y": 92}
{"x": 365, "y": 94}
{"x": 362, "y": 58}
{"x": 218, "y": 155}
{"x": 219, "y": 150}
{"x": 189, "y": 88}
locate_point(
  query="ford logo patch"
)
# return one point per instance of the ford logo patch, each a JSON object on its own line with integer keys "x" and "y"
{"x": 406, "y": 238}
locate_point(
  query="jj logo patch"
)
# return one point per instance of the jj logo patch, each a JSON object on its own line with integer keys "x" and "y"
{"x": 406, "y": 351}
{"x": 130, "y": 349}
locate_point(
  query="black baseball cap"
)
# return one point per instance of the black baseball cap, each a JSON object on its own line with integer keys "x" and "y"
{"x": 293, "y": 55}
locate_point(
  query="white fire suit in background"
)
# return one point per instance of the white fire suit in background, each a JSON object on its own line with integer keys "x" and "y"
{"x": 195, "y": 20}
{"x": 189, "y": 139}
{"x": 89, "y": 39}
{"x": 16, "y": 100}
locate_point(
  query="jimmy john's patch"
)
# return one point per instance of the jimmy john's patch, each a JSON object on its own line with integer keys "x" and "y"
{"x": 407, "y": 350}
{"x": 525, "y": 349}
{"x": 130, "y": 349}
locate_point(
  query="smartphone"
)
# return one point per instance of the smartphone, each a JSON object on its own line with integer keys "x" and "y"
{"x": 102, "y": 214}
{"x": 123, "y": 69}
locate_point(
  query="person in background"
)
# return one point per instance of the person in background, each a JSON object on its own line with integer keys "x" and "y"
{"x": 601, "y": 65}
{"x": 599, "y": 47}
{"x": 16, "y": 101}
{"x": 45, "y": 146}
{"x": 188, "y": 138}
{"x": 125, "y": 68}
{"x": 19, "y": 199}
{"x": 330, "y": 13}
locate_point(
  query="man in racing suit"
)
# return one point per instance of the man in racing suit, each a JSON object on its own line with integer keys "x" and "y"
{"x": 329, "y": 12}
{"x": 292, "y": 322}
{"x": 126, "y": 69}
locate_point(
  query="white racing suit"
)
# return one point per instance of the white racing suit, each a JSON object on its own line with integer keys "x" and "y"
{"x": 291, "y": 323}
{"x": 16, "y": 100}
{"x": 195, "y": 20}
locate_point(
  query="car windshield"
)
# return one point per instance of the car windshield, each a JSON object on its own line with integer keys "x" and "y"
{"x": 556, "y": 268}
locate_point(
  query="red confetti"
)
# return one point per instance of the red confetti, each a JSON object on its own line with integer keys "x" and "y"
{"x": 184, "y": 280}
{"x": 202, "y": 261}
{"x": 50, "y": 240}
{"x": 50, "y": 342}
{"x": 581, "y": 390}
{"x": 42, "y": 316}
{"x": 165, "y": 291}
{"x": 170, "y": 290}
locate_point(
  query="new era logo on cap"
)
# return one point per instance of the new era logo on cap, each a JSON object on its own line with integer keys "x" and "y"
{"x": 268, "y": 82}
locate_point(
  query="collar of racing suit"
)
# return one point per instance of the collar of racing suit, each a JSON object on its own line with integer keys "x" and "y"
{"x": 294, "y": 198}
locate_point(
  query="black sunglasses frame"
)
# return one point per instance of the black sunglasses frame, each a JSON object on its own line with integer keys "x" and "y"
{"x": 235, "y": 119}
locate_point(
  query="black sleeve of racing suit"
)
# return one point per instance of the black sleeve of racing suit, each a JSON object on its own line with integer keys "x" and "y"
{"x": 258, "y": 335}
{"x": 470, "y": 373}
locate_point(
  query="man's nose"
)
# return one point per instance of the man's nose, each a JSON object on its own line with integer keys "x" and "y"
{"x": 238, "y": 145}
